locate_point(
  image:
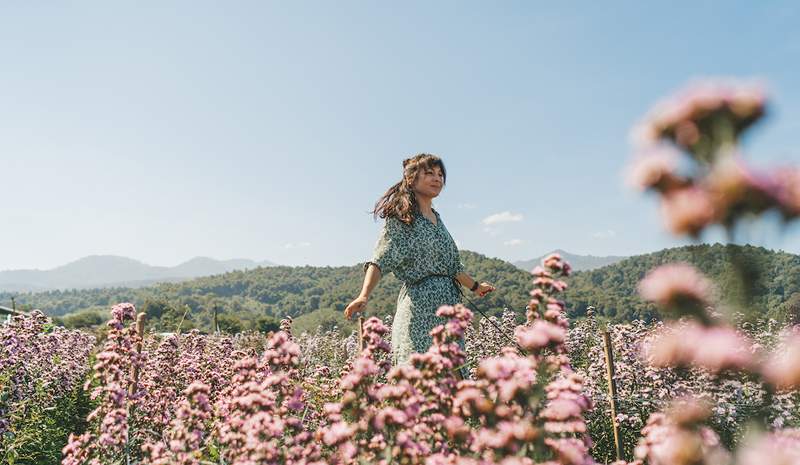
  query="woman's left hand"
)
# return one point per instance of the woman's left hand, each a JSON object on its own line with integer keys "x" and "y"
{"x": 483, "y": 289}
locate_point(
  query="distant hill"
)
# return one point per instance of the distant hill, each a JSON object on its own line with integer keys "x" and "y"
{"x": 312, "y": 295}
{"x": 114, "y": 271}
{"x": 578, "y": 262}
{"x": 612, "y": 289}
{"x": 316, "y": 296}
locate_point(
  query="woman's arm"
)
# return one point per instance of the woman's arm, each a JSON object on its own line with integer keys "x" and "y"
{"x": 371, "y": 278}
{"x": 467, "y": 281}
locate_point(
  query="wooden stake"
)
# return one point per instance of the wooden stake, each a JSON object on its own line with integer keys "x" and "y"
{"x": 360, "y": 334}
{"x": 216, "y": 323}
{"x": 140, "y": 332}
{"x": 612, "y": 391}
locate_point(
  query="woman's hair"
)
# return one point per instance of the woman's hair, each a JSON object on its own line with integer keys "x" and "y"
{"x": 399, "y": 201}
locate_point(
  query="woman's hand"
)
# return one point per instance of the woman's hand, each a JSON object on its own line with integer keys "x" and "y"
{"x": 356, "y": 306}
{"x": 483, "y": 289}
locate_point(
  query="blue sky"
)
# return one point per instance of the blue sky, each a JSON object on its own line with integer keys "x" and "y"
{"x": 167, "y": 130}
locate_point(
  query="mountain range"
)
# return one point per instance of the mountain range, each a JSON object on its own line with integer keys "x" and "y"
{"x": 97, "y": 271}
{"x": 578, "y": 262}
{"x": 101, "y": 271}
{"x": 315, "y": 296}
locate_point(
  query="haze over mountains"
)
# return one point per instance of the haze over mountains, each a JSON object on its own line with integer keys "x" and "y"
{"x": 115, "y": 271}
{"x": 578, "y": 262}
{"x": 314, "y": 296}
{"x": 99, "y": 271}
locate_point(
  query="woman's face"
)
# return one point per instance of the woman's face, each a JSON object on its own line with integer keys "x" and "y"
{"x": 430, "y": 182}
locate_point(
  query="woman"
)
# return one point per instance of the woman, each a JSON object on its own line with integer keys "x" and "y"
{"x": 415, "y": 245}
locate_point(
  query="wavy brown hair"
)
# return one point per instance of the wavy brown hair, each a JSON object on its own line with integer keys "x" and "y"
{"x": 399, "y": 201}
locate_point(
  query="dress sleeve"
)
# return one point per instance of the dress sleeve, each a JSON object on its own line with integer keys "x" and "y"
{"x": 386, "y": 255}
{"x": 459, "y": 263}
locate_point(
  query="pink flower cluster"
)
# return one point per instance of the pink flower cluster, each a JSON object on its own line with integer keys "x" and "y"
{"x": 115, "y": 390}
{"x": 260, "y": 416}
{"x": 41, "y": 367}
{"x": 184, "y": 439}
{"x": 706, "y": 121}
{"x": 715, "y": 349}
{"x": 679, "y": 438}
{"x": 677, "y": 287}
{"x": 701, "y": 111}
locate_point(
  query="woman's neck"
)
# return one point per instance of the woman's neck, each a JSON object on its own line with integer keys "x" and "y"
{"x": 425, "y": 205}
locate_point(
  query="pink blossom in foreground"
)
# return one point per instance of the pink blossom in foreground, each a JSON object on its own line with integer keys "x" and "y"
{"x": 666, "y": 441}
{"x": 735, "y": 189}
{"x": 781, "y": 447}
{"x": 655, "y": 169}
{"x": 715, "y": 348}
{"x": 539, "y": 335}
{"x": 566, "y": 405}
{"x": 783, "y": 367}
{"x": 676, "y": 284}
{"x": 687, "y": 210}
{"x": 684, "y": 117}
{"x": 788, "y": 182}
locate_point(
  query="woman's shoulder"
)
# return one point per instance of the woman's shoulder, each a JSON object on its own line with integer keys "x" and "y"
{"x": 394, "y": 222}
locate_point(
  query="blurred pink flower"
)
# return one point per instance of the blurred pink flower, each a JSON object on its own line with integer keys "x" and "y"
{"x": 540, "y": 334}
{"x": 687, "y": 210}
{"x": 679, "y": 117}
{"x": 734, "y": 189}
{"x": 788, "y": 182}
{"x": 675, "y": 284}
{"x": 715, "y": 348}
{"x": 337, "y": 433}
{"x": 655, "y": 169}
{"x": 782, "y": 448}
{"x": 666, "y": 443}
{"x": 783, "y": 367}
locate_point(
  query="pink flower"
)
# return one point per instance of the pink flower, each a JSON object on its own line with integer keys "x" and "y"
{"x": 337, "y": 433}
{"x": 540, "y": 334}
{"x": 678, "y": 117}
{"x": 783, "y": 367}
{"x": 782, "y": 448}
{"x": 734, "y": 188}
{"x": 788, "y": 183}
{"x": 570, "y": 451}
{"x": 655, "y": 169}
{"x": 714, "y": 348}
{"x": 676, "y": 284}
{"x": 668, "y": 443}
{"x": 687, "y": 210}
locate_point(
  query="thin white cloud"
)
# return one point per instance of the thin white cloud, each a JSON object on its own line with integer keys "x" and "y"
{"x": 514, "y": 242}
{"x": 296, "y": 245}
{"x": 503, "y": 217}
{"x": 607, "y": 234}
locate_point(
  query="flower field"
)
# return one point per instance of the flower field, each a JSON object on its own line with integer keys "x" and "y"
{"x": 700, "y": 387}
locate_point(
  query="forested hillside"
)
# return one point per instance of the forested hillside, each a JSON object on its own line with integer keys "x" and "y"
{"x": 612, "y": 289}
{"x": 316, "y": 296}
{"x": 258, "y": 298}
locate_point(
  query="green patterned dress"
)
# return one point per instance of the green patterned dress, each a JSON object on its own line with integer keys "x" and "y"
{"x": 413, "y": 253}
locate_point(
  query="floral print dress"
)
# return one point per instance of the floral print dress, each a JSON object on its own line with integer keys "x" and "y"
{"x": 414, "y": 253}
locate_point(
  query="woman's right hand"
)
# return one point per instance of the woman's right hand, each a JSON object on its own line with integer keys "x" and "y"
{"x": 356, "y": 306}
